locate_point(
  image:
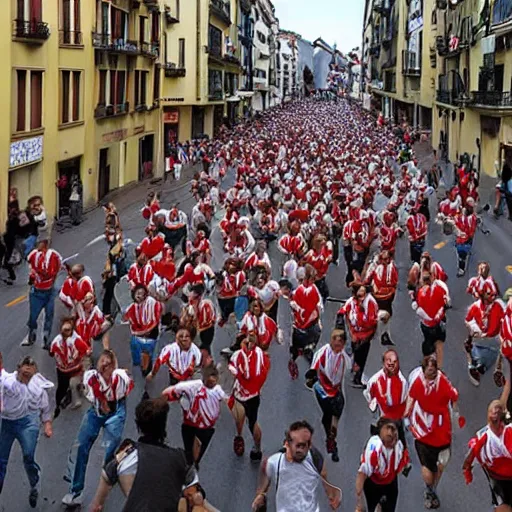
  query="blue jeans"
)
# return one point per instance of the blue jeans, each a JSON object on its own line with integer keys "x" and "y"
{"x": 484, "y": 355}
{"x": 29, "y": 245}
{"x": 113, "y": 425}
{"x": 39, "y": 300}
{"x": 137, "y": 346}
{"x": 26, "y": 431}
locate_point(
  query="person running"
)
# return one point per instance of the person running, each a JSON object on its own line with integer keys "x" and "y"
{"x": 306, "y": 306}
{"x": 141, "y": 272}
{"x": 249, "y": 366}
{"x": 383, "y": 277}
{"x": 466, "y": 223}
{"x": 325, "y": 378}
{"x": 200, "y": 401}
{"x": 296, "y": 472}
{"x": 75, "y": 287}
{"x": 183, "y": 358}
{"x": 417, "y": 229}
{"x": 230, "y": 282}
{"x": 106, "y": 387}
{"x": 492, "y": 448}
{"x": 205, "y": 316}
{"x": 361, "y": 316}
{"x": 483, "y": 321}
{"x": 69, "y": 350}
{"x": 430, "y": 303}
{"x": 483, "y": 278}
{"x": 383, "y": 459}
{"x": 144, "y": 316}
{"x": 44, "y": 264}
{"x": 320, "y": 257}
{"x": 151, "y": 474}
{"x": 25, "y": 405}
{"x": 431, "y": 398}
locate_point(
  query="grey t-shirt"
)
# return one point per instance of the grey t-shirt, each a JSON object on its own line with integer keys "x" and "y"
{"x": 297, "y": 487}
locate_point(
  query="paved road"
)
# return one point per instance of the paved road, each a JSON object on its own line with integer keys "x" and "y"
{"x": 230, "y": 481}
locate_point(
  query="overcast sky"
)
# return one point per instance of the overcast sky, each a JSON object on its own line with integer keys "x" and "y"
{"x": 339, "y": 21}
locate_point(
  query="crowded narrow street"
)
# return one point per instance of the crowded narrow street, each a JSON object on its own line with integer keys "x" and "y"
{"x": 323, "y": 141}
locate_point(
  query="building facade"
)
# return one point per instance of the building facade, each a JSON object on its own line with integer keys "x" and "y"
{"x": 305, "y": 67}
{"x": 322, "y": 59}
{"x": 288, "y": 57}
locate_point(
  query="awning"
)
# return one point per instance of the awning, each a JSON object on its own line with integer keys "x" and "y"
{"x": 245, "y": 94}
{"x": 233, "y": 99}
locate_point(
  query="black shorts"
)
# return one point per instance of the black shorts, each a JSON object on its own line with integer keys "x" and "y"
{"x": 501, "y": 491}
{"x": 206, "y": 337}
{"x": 272, "y": 312}
{"x": 306, "y": 338}
{"x": 251, "y": 408}
{"x": 429, "y": 455}
{"x": 431, "y": 335}
{"x": 386, "y": 305}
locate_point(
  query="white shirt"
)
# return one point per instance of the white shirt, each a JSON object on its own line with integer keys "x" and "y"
{"x": 18, "y": 400}
{"x": 297, "y": 488}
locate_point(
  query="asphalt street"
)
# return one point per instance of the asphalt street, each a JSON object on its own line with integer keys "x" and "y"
{"x": 230, "y": 482}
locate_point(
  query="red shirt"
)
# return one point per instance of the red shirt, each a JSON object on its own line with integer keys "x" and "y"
{"x": 74, "y": 291}
{"x": 144, "y": 317}
{"x": 292, "y": 245}
{"x": 361, "y": 318}
{"x": 263, "y": 327}
{"x": 69, "y": 353}
{"x": 232, "y": 284}
{"x": 205, "y": 313}
{"x": 417, "y": 227}
{"x": 250, "y": 369}
{"x": 152, "y": 247}
{"x": 430, "y": 416}
{"x": 494, "y": 452}
{"x": 44, "y": 267}
{"x": 140, "y": 275}
{"x": 431, "y": 302}
{"x": 88, "y": 325}
{"x": 466, "y": 226}
{"x": 164, "y": 268}
{"x": 506, "y": 335}
{"x": 390, "y": 393}
{"x": 306, "y": 304}
{"x": 487, "y": 317}
{"x": 320, "y": 260}
{"x": 384, "y": 279}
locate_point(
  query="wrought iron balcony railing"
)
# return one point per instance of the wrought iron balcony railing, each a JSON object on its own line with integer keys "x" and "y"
{"x": 411, "y": 64}
{"x": 37, "y": 31}
{"x": 492, "y": 99}
{"x": 172, "y": 70}
{"x": 70, "y": 38}
{"x": 105, "y": 42}
{"x": 102, "y": 111}
{"x": 221, "y": 9}
{"x": 151, "y": 50}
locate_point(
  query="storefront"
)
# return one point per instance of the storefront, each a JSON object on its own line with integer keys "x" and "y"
{"x": 171, "y": 132}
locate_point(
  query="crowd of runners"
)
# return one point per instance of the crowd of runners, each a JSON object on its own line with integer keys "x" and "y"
{"x": 326, "y": 189}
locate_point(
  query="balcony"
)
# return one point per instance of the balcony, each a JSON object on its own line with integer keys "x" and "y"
{"x": 103, "y": 111}
{"x": 491, "y": 99}
{"x": 170, "y": 17}
{"x": 229, "y": 58}
{"x": 151, "y": 4}
{"x": 151, "y": 50}
{"x": 105, "y": 43}
{"x": 215, "y": 95}
{"x": 411, "y": 65}
{"x": 70, "y": 38}
{"x": 172, "y": 70}
{"x": 501, "y": 12}
{"x": 452, "y": 97}
{"x": 222, "y": 10}
{"x": 382, "y": 7}
{"x": 31, "y": 31}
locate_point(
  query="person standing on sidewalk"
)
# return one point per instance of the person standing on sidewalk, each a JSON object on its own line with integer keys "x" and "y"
{"x": 44, "y": 264}
{"x": 25, "y": 405}
{"x": 106, "y": 388}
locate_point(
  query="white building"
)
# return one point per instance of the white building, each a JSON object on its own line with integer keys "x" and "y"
{"x": 288, "y": 57}
{"x": 305, "y": 67}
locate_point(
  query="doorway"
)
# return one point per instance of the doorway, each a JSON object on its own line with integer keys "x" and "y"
{"x": 66, "y": 172}
{"x": 218, "y": 118}
{"x": 170, "y": 137}
{"x": 104, "y": 174}
{"x": 197, "y": 122}
{"x": 146, "y": 144}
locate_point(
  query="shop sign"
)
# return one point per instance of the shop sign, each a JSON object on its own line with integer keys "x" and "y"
{"x": 115, "y": 136}
{"x": 26, "y": 151}
{"x": 171, "y": 116}
{"x": 138, "y": 129}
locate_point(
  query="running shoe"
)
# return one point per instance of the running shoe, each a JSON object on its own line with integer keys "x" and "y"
{"x": 293, "y": 369}
{"x": 255, "y": 455}
{"x": 357, "y": 383}
{"x": 32, "y": 497}
{"x": 386, "y": 341}
{"x": 30, "y": 339}
{"x": 330, "y": 445}
{"x": 73, "y": 499}
{"x": 499, "y": 378}
{"x": 238, "y": 445}
{"x": 474, "y": 376}
{"x": 335, "y": 456}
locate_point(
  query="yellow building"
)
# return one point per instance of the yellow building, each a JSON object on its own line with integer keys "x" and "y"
{"x": 201, "y": 68}
{"x": 399, "y": 70}
{"x": 82, "y": 92}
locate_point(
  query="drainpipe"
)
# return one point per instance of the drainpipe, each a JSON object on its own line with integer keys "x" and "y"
{"x": 199, "y": 49}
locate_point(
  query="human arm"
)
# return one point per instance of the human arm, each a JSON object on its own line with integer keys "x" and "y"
{"x": 332, "y": 493}
{"x": 360, "y": 480}
{"x": 102, "y": 492}
{"x": 263, "y": 486}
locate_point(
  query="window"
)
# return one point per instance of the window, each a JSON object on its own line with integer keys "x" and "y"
{"x": 261, "y": 37}
{"x": 181, "y": 54}
{"x": 155, "y": 27}
{"x": 118, "y": 24}
{"x": 29, "y": 101}
{"x": 156, "y": 83}
{"x": 141, "y": 78}
{"x": 112, "y": 87}
{"x": 143, "y": 30}
{"x": 30, "y": 10}
{"x": 70, "y": 96}
{"x": 215, "y": 84}
{"x": 215, "y": 41}
{"x": 69, "y": 21}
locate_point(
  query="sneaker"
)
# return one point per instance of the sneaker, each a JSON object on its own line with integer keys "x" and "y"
{"x": 460, "y": 272}
{"x": 226, "y": 352}
{"x": 76, "y": 405}
{"x": 56, "y": 413}
{"x": 280, "y": 336}
{"x": 293, "y": 369}
{"x": 335, "y": 456}
{"x": 330, "y": 445}
{"x": 30, "y": 339}
{"x": 499, "y": 378}
{"x": 32, "y": 497}
{"x": 238, "y": 446}
{"x": 66, "y": 400}
{"x": 73, "y": 499}
{"x": 474, "y": 376}
{"x": 309, "y": 384}
{"x": 407, "y": 470}
{"x": 357, "y": 383}
{"x": 385, "y": 340}
{"x": 255, "y": 455}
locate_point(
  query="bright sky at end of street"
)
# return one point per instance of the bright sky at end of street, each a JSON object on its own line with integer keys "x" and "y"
{"x": 335, "y": 21}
